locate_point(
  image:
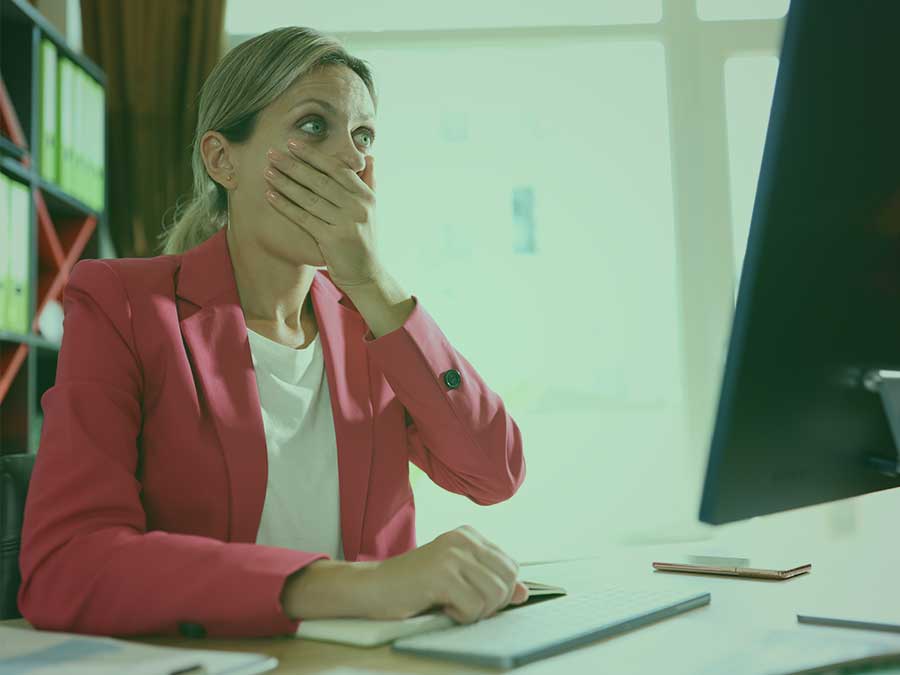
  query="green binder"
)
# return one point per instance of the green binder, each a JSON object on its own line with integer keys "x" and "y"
{"x": 78, "y": 139}
{"x": 97, "y": 128}
{"x": 5, "y": 247}
{"x": 91, "y": 144}
{"x": 20, "y": 257}
{"x": 101, "y": 147}
{"x": 49, "y": 113}
{"x": 87, "y": 123}
{"x": 67, "y": 125}
{"x": 62, "y": 147}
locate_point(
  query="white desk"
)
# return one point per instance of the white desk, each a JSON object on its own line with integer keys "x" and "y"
{"x": 855, "y": 570}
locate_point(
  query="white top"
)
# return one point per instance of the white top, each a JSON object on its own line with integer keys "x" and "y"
{"x": 302, "y": 507}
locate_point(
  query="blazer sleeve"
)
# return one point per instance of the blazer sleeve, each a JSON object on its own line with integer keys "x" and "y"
{"x": 88, "y": 563}
{"x": 462, "y": 437}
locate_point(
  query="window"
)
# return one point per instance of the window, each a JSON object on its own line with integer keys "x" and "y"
{"x": 749, "y": 85}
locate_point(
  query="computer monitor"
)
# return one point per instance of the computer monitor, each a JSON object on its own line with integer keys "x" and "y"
{"x": 810, "y": 392}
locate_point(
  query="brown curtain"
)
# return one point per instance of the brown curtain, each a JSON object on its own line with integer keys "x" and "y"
{"x": 156, "y": 55}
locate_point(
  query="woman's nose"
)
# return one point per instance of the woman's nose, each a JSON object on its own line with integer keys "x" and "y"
{"x": 355, "y": 161}
{"x": 350, "y": 155}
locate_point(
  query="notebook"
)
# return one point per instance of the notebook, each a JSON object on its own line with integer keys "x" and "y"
{"x": 36, "y": 651}
{"x": 371, "y": 633}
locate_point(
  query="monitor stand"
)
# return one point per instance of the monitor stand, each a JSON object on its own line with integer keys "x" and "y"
{"x": 886, "y": 383}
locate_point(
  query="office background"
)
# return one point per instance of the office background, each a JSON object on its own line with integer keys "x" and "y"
{"x": 566, "y": 186}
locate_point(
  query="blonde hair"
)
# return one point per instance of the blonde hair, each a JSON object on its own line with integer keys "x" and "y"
{"x": 246, "y": 80}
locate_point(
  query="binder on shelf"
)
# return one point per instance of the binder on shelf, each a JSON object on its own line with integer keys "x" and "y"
{"x": 101, "y": 147}
{"x": 90, "y": 146}
{"x": 34, "y": 432}
{"x": 20, "y": 227}
{"x": 65, "y": 124}
{"x": 5, "y": 248}
{"x": 89, "y": 138}
{"x": 84, "y": 138}
{"x": 75, "y": 130}
{"x": 78, "y": 138}
{"x": 49, "y": 113}
{"x": 62, "y": 131}
{"x": 97, "y": 116}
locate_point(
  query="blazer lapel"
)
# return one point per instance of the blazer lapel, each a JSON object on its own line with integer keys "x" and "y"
{"x": 347, "y": 369}
{"x": 215, "y": 334}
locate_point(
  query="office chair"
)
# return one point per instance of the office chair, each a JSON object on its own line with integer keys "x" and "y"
{"x": 15, "y": 472}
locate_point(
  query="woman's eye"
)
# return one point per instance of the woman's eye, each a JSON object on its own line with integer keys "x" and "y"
{"x": 370, "y": 135}
{"x": 320, "y": 123}
{"x": 311, "y": 122}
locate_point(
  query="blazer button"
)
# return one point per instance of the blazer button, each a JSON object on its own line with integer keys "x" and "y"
{"x": 192, "y": 630}
{"x": 452, "y": 379}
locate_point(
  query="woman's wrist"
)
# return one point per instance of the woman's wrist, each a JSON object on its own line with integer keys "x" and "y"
{"x": 329, "y": 589}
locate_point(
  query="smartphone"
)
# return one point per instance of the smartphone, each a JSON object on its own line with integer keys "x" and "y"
{"x": 734, "y": 567}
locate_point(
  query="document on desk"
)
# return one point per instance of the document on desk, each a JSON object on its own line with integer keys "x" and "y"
{"x": 805, "y": 650}
{"x": 36, "y": 652}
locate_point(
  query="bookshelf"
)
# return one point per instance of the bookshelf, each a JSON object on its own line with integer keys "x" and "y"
{"x": 62, "y": 227}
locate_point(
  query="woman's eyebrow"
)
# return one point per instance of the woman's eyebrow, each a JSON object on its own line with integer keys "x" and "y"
{"x": 321, "y": 102}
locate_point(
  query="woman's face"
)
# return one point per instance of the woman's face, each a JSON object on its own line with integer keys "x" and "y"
{"x": 339, "y": 123}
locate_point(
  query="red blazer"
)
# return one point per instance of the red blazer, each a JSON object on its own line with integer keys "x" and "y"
{"x": 148, "y": 487}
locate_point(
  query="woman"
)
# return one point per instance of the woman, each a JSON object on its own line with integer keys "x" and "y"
{"x": 225, "y": 449}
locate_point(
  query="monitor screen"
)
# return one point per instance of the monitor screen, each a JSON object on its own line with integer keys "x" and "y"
{"x": 818, "y": 306}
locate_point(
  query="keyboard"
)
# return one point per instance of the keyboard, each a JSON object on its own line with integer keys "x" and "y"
{"x": 521, "y": 635}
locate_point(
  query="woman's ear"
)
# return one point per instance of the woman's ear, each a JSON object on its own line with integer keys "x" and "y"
{"x": 215, "y": 152}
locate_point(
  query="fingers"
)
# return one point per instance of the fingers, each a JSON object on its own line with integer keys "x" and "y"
{"x": 520, "y": 594}
{"x": 490, "y": 555}
{"x": 493, "y": 590}
{"x": 504, "y": 569}
{"x": 487, "y": 543}
{"x": 463, "y": 603}
{"x": 485, "y": 567}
